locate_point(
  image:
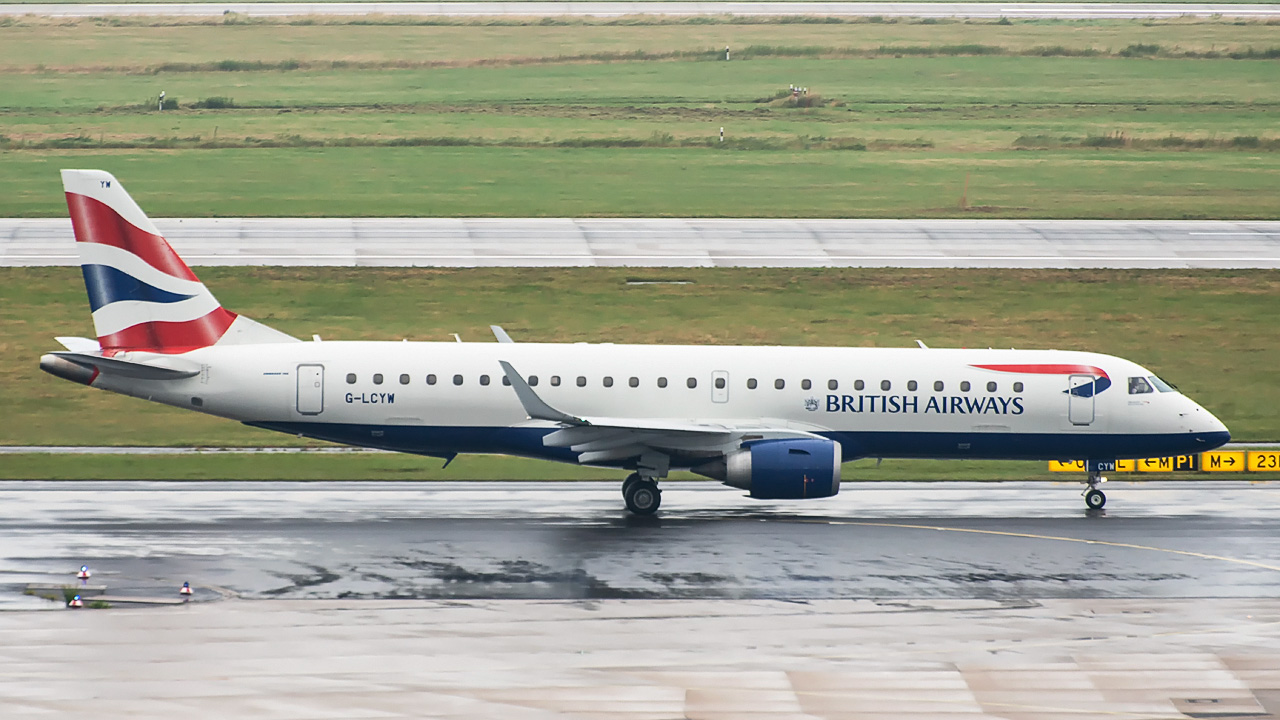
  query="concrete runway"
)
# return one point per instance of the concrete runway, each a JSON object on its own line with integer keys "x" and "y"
{"x": 615, "y": 9}
{"x": 567, "y": 242}
{"x": 524, "y": 600}
{"x": 556, "y": 541}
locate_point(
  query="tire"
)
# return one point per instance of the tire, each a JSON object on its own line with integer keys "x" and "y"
{"x": 643, "y": 497}
{"x": 1095, "y": 499}
{"x": 626, "y": 484}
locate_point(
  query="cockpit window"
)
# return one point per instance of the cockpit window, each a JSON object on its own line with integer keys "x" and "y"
{"x": 1139, "y": 386}
{"x": 1161, "y": 385}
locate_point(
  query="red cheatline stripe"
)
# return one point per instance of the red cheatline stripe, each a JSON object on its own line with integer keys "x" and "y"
{"x": 171, "y": 337}
{"x": 1046, "y": 369}
{"x": 96, "y": 222}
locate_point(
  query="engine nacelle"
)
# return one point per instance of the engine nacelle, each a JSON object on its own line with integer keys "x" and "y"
{"x": 789, "y": 469}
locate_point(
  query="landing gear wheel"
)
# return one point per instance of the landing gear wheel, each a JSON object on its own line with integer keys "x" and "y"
{"x": 632, "y": 479}
{"x": 1095, "y": 499}
{"x": 643, "y": 496}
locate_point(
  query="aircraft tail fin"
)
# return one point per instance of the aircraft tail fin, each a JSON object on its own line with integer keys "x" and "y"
{"x": 142, "y": 295}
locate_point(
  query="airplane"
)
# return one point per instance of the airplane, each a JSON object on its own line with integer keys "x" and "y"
{"x": 777, "y": 422}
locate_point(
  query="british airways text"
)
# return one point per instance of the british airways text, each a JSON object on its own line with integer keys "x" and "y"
{"x": 942, "y": 405}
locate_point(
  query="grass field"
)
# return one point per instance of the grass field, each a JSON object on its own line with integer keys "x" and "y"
{"x": 1102, "y": 119}
{"x": 1209, "y": 332}
{"x": 657, "y": 182}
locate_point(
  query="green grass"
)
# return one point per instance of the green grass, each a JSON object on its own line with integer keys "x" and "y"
{"x": 288, "y": 467}
{"x": 658, "y": 182}
{"x": 1212, "y": 333}
{"x": 139, "y": 44}
{"x": 947, "y": 80}
{"x": 623, "y": 119}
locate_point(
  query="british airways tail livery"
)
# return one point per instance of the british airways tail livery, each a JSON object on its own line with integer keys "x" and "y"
{"x": 774, "y": 421}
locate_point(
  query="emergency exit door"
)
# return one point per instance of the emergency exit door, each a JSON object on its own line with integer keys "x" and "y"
{"x": 1080, "y": 394}
{"x": 310, "y": 389}
{"x": 719, "y": 386}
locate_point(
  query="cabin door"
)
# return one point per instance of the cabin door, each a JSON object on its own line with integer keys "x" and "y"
{"x": 310, "y": 389}
{"x": 1080, "y": 397}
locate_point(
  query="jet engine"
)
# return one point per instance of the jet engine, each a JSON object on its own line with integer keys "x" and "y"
{"x": 787, "y": 469}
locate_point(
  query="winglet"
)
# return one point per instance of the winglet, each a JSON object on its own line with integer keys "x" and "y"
{"x": 501, "y": 334}
{"x": 533, "y": 405}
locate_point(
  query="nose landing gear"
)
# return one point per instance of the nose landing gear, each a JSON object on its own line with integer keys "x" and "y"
{"x": 1094, "y": 498}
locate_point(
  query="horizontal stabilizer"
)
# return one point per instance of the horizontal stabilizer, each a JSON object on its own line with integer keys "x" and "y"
{"x": 79, "y": 344}
{"x": 71, "y": 365}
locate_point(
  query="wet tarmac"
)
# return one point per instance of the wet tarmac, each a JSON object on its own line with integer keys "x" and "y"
{"x": 335, "y": 540}
{"x": 546, "y": 600}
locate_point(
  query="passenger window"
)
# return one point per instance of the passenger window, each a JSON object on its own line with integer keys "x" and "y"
{"x": 885, "y": 384}
{"x": 938, "y": 386}
{"x": 351, "y": 378}
{"x": 805, "y": 384}
{"x": 1161, "y": 385}
{"x": 858, "y": 384}
{"x": 608, "y": 381}
{"x": 833, "y": 385}
{"x": 751, "y": 383}
{"x": 555, "y": 381}
{"x": 662, "y": 382}
{"x": 719, "y": 383}
{"x": 506, "y": 381}
{"x": 431, "y": 379}
{"x": 484, "y": 379}
{"x": 634, "y": 382}
{"x": 533, "y": 381}
{"x": 991, "y": 386}
{"x": 692, "y": 383}
{"x": 911, "y": 385}
{"x": 779, "y": 384}
{"x": 1017, "y": 387}
{"x": 964, "y": 386}
{"x": 377, "y": 378}
{"x": 1139, "y": 386}
{"x": 457, "y": 379}
{"x": 582, "y": 381}
{"x": 404, "y": 379}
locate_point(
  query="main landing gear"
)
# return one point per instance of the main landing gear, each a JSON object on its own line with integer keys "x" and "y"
{"x": 1094, "y": 498}
{"x": 642, "y": 494}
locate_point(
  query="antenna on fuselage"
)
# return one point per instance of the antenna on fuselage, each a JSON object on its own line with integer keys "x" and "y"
{"x": 457, "y": 337}
{"x": 922, "y": 345}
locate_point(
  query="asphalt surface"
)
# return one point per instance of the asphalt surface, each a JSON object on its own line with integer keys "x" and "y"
{"x": 567, "y": 242}
{"x": 333, "y": 540}
{"x": 538, "y": 601}
{"x": 614, "y": 9}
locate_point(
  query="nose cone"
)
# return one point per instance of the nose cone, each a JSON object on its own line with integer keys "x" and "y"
{"x": 1208, "y": 430}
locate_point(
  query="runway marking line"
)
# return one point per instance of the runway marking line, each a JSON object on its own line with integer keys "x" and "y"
{"x": 1033, "y": 536}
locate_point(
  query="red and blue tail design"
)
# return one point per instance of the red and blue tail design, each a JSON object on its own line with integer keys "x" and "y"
{"x": 143, "y": 296}
{"x": 1101, "y": 381}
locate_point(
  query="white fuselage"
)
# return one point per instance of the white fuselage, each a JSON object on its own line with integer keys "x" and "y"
{"x": 445, "y": 398}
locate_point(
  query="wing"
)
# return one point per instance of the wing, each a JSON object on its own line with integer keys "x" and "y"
{"x": 652, "y": 440}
